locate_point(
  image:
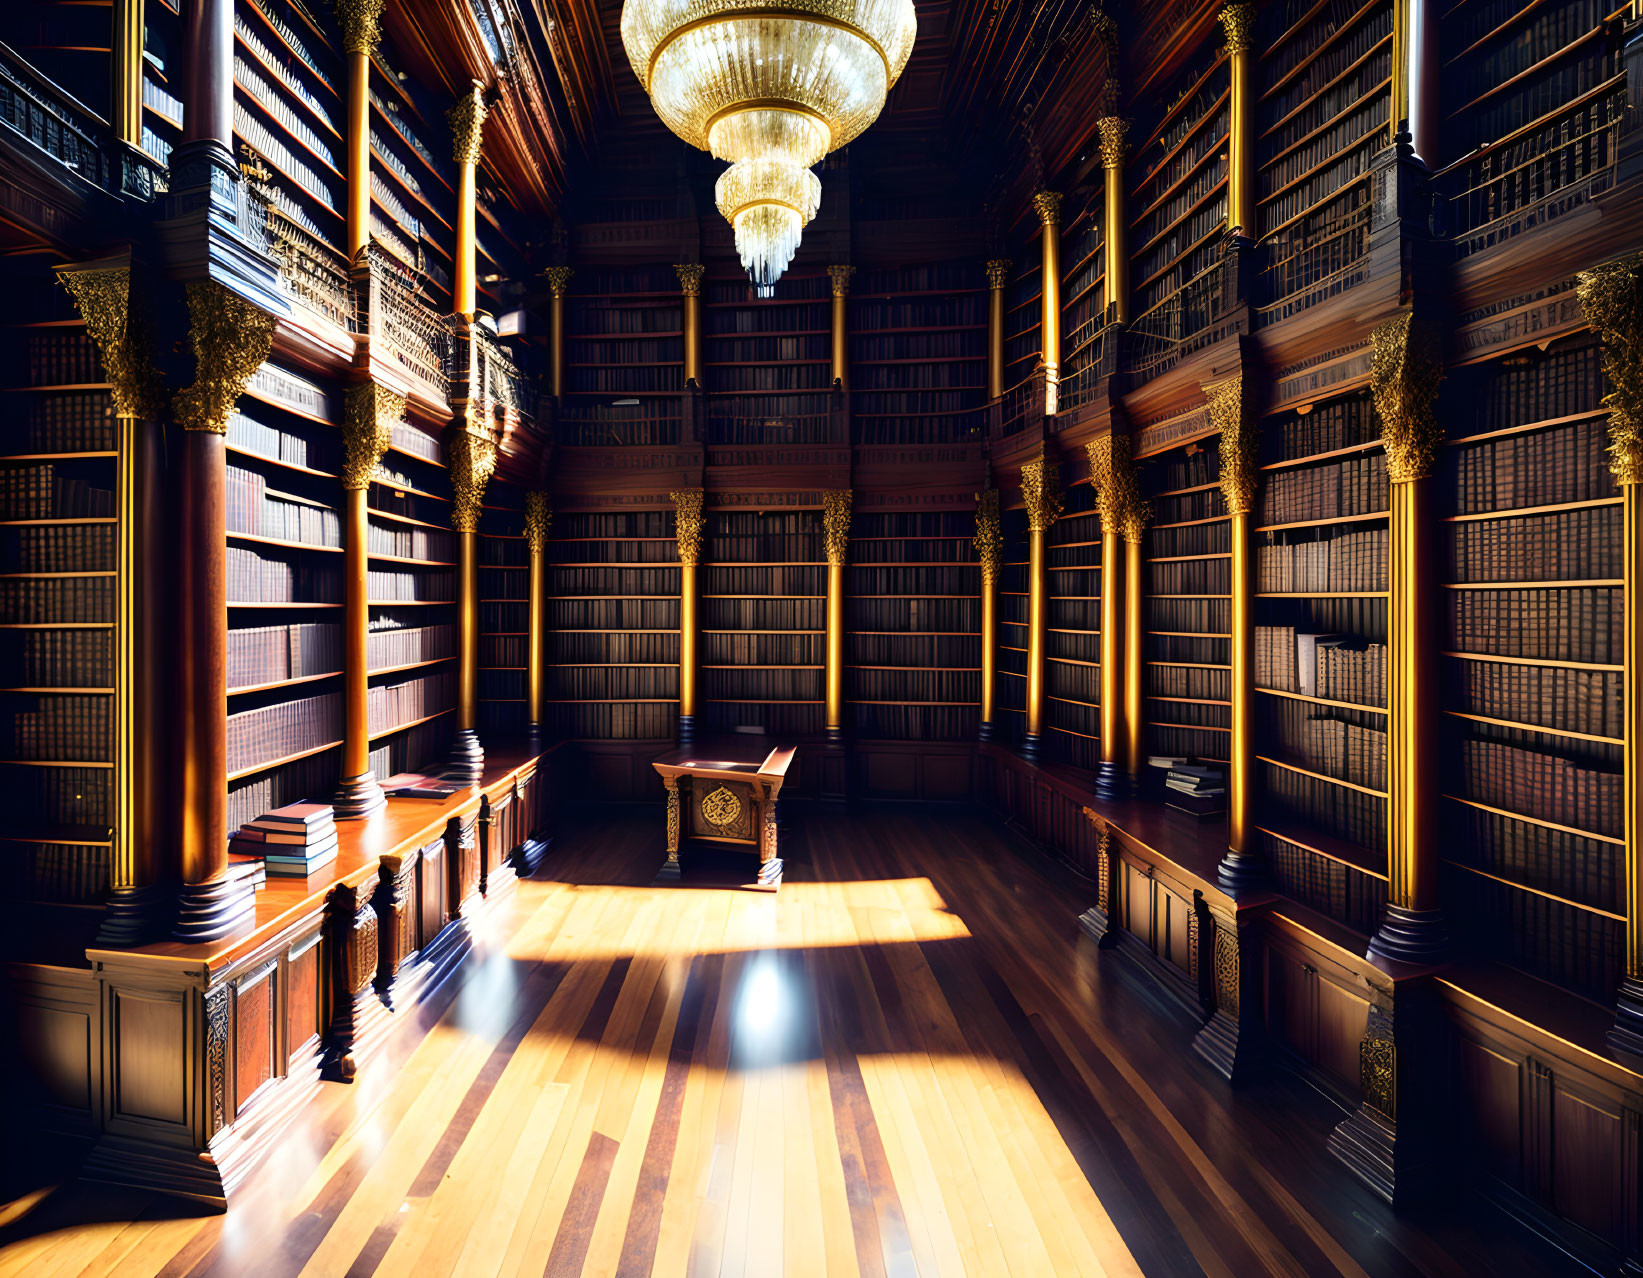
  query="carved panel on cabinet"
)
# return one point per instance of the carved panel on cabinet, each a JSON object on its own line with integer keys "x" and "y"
{"x": 302, "y": 1012}
{"x": 254, "y": 1032}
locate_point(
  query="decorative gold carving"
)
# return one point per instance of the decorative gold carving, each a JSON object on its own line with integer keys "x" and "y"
{"x": 840, "y": 275}
{"x": 989, "y": 539}
{"x": 672, "y": 784}
{"x": 1114, "y": 144}
{"x": 1238, "y": 20}
{"x": 1117, "y": 495}
{"x": 361, "y": 950}
{"x": 231, "y": 340}
{"x": 1611, "y": 296}
{"x": 690, "y": 278}
{"x": 1194, "y": 923}
{"x": 538, "y": 520}
{"x": 217, "y": 1007}
{"x": 1047, "y": 204}
{"x": 361, "y": 23}
{"x": 369, "y": 414}
{"x": 1226, "y": 970}
{"x": 1103, "y": 869}
{"x": 471, "y": 459}
{"x": 103, "y": 297}
{"x": 1378, "y": 1064}
{"x": 689, "y": 524}
{"x": 1041, "y": 489}
{"x": 767, "y": 842}
{"x": 1404, "y": 373}
{"x": 467, "y": 121}
{"x": 1239, "y": 439}
{"x": 836, "y": 525}
{"x": 998, "y": 272}
{"x": 558, "y": 278}
{"x": 721, "y": 807}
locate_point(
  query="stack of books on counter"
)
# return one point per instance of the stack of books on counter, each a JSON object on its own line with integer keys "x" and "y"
{"x": 294, "y": 840}
{"x": 1200, "y": 790}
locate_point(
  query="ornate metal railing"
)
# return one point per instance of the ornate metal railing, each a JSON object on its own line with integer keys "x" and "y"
{"x": 505, "y": 385}
{"x": 1310, "y": 263}
{"x": 400, "y": 324}
{"x": 1179, "y": 324}
{"x": 312, "y": 274}
{"x": 636, "y": 425}
{"x": 1022, "y": 402}
{"x": 1081, "y": 371}
{"x": 956, "y": 427}
{"x": 755, "y": 428}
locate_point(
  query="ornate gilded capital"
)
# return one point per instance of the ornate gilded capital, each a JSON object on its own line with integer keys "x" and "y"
{"x": 690, "y": 524}
{"x": 1041, "y": 489}
{"x": 989, "y": 539}
{"x": 103, "y": 296}
{"x": 467, "y": 121}
{"x": 1612, "y": 297}
{"x": 558, "y": 279}
{"x": 369, "y": 414}
{"x": 1239, "y": 438}
{"x": 998, "y": 272}
{"x": 1404, "y": 373}
{"x": 361, "y": 23}
{"x": 1114, "y": 142}
{"x": 840, "y": 275}
{"x": 471, "y": 458}
{"x": 836, "y": 525}
{"x": 690, "y": 278}
{"x": 1117, "y": 495}
{"x": 231, "y": 340}
{"x": 538, "y": 520}
{"x": 1047, "y": 204}
{"x": 1238, "y": 20}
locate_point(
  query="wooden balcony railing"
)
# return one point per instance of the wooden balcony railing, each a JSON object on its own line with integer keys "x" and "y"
{"x": 1081, "y": 372}
{"x": 1179, "y": 324}
{"x": 401, "y": 326}
{"x": 626, "y": 425}
{"x": 312, "y": 274}
{"x": 730, "y": 427}
{"x": 1307, "y": 264}
{"x": 1023, "y": 402}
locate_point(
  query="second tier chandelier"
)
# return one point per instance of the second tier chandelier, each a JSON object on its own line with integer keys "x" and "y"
{"x": 772, "y": 86}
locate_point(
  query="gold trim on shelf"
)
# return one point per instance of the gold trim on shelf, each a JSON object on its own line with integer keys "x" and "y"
{"x": 369, "y": 415}
{"x": 231, "y": 340}
{"x": 1404, "y": 374}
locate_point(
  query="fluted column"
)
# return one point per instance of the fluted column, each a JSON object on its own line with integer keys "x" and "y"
{"x": 231, "y": 339}
{"x": 989, "y": 543}
{"x": 467, "y": 120}
{"x": 369, "y": 416}
{"x": 690, "y": 527}
{"x": 471, "y": 458}
{"x": 690, "y": 283}
{"x": 1242, "y": 867}
{"x": 1041, "y": 491}
{"x": 836, "y": 542}
{"x": 1117, "y": 498}
{"x": 840, "y": 277}
{"x": 558, "y": 287}
{"x": 1238, "y": 21}
{"x": 361, "y": 22}
{"x": 538, "y": 521}
{"x": 1115, "y": 234}
{"x": 998, "y": 275}
{"x": 1047, "y": 204}
{"x": 127, "y": 65}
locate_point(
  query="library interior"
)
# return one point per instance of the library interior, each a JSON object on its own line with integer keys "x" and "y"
{"x": 821, "y": 637}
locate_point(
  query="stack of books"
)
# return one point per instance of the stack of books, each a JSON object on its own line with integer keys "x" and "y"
{"x": 294, "y": 840}
{"x": 1202, "y": 791}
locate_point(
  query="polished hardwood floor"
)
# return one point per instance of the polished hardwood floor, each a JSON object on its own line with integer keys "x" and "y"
{"x": 906, "y": 1062}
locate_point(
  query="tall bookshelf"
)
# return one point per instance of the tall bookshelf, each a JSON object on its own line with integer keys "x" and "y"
{"x": 411, "y": 190}
{"x": 1083, "y": 295}
{"x": 613, "y": 626}
{"x": 1534, "y": 604}
{"x": 1023, "y": 329}
{"x": 912, "y": 618}
{"x": 624, "y": 357}
{"x": 162, "y": 59}
{"x": 763, "y": 607}
{"x": 1010, "y": 686}
{"x": 504, "y": 613}
{"x": 918, "y": 353}
{"x": 1321, "y": 571}
{"x": 767, "y": 360}
{"x": 1072, "y": 649}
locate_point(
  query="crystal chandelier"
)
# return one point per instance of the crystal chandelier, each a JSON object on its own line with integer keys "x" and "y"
{"x": 772, "y": 86}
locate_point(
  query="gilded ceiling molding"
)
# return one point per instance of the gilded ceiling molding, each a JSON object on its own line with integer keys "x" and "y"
{"x": 471, "y": 457}
{"x": 1239, "y": 439}
{"x": 1041, "y": 490}
{"x": 1114, "y": 143}
{"x": 1612, "y": 297}
{"x": 467, "y": 121}
{"x": 840, "y": 275}
{"x": 103, "y": 297}
{"x": 1238, "y": 20}
{"x": 989, "y": 538}
{"x": 690, "y": 523}
{"x": 836, "y": 525}
{"x": 231, "y": 339}
{"x": 538, "y": 522}
{"x": 690, "y": 278}
{"x": 361, "y": 23}
{"x": 998, "y": 272}
{"x": 1404, "y": 373}
{"x": 369, "y": 415}
{"x": 1047, "y": 204}
{"x": 558, "y": 279}
{"x": 1117, "y": 495}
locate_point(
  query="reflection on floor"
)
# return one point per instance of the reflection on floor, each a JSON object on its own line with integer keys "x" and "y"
{"x": 906, "y": 1062}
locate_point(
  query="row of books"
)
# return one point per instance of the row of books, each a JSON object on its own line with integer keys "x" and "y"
{"x": 1587, "y": 701}
{"x": 1188, "y": 681}
{"x": 872, "y": 684}
{"x": 869, "y": 314}
{"x": 256, "y": 737}
{"x": 1195, "y": 616}
{"x": 1565, "y": 864}
{"x": 1343, "y": 148}
{"x": 1180, "y": 577}
{"x": 1199, "y": 651}
{"x": 868, "y": 579}
{"x": 267, "y": 144}
{"x": 1356, "y": 486}
{"x": 1560, "y": 624}
{"x": 1340, "y": 54}
{"x": 1188, "y": 467}
{"x": 1171, "y": 261}
{"x": 640, "y": 582}
{"x": 62, "y": 796}
{"x": 770, "y": 547}
{"x": 1067, "y": 645}
{"x": 1334, "y": 424}
{"x": 1536, "y": 387}
{"x": 1349, "y": 561}
{"x": 1331, "y": 666}
{"x": 781, "y": 720}
{"x": 67, "y": 873}
{"x": 761, "y": 685}
{"x": 913, "y": 723}
{"x": 58, "y": 548}
{"x": 63, "y": 357}
{"x": 1567, "y": 545}
{"x": 663, "y": 550}
{"x": 948, "y": 652}
{"x": 1542, "y": 784}
{"x": 383, "y": 586}
{"x": 294, "y": 840}
{"x": 1326, "y": 885}
{"x": 933, "y": 550}
{"x": 1318, "y": 109}
{"x": 41, "y": 491}
{"x": 1542, "y": 468}
{"x": 69, "y": 727}
{"x": 907, "y": 616}
{"x": 614, "y": 683}
{"x": 1346, "y": 750}
{"x": 314, "y": 777}
{"x": 1207, "y": 503}
{"x": 667, "y": 349}
{"x": 252, "y": 578}
{"x": 406, "y": 542}
{"x": 620, "y": 614}
{"x": 260, "y": 655}
{"x": 1189, "y": 714}
{"x": 1194, "y": 539}
{"x": 418, "y": 443}
{"x": 590, "y": 323}
{"x": 267, "y": 441}
{"x": 618, "y": 648}
{"x": 613, "y": 721}
{"x": 388, "y": 645}
{"x": 1499, "y": 58}
{"x": 727, "y": 379}
{"x": 258, "y": 511}
{"x": 513, "y": 650}
{"x": 249, "y": 82}
{"x": 1559, "y": 942}
{"x": 390, "y": 705}
{"x": 70, "y": 422}
{"x": 951, "y": 376}
{"x": 669, "y": 378}
{"x": 60, "y": 658}
{"x": 764, "y": 614}
{"x": 277, "y": 65}
{"x": 503, "y": 618}
{"x": 56, "y": 599}
{"x": 1347, "y": 814}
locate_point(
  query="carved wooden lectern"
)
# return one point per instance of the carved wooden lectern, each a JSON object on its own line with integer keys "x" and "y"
{"x": 725, "y": 793}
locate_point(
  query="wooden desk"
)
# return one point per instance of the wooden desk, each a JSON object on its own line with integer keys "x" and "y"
{"x": 725, "y": 792}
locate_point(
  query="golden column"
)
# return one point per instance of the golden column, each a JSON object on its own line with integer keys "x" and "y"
{"x": 127, "y": 89}
{"x": 840, "y": 276}
{"x": 1135, "y": 531}
{"x": 471, "y": 459}
{"x": 1041, "y": 490}
{"x": 558, "y": 287}
{"x": 1117, "y": 498}
{"x": 989, "y": 543}
{"x": 1115, "y": 234}
{"x": 361, "y": 22}
{"x": 1403, "y": 380}
{"x": 689, "y": 532}
{"x": 231, "y": 339}
{"x": 998, "y": 275}
{"x": 1242, "y": 866}
{"x": 467, "y": 119}
{"x": 1612, "y": 298}
{"x": 836, "y": 541}
{"x": 368, "y": 419}
{"x": 1415, "y": 78}
{"x": 538, "y": 520}
{"x": 690, "y": 280}
{"x": 1047, "y": 204}
{"x": 1238, "y": 20}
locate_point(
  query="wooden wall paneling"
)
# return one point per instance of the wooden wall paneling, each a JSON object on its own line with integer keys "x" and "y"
{"x": 55, "y": 1075}
{"x": 303, "y": 977}
{"x": 256, "y": 1051}
{"x": 432, "y": 892}
{"x": 399, "y": 927}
